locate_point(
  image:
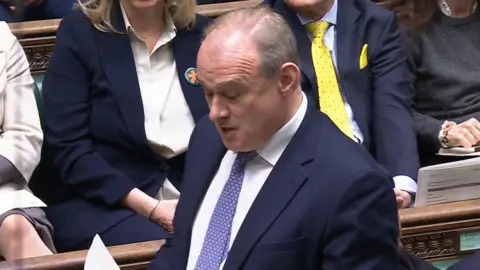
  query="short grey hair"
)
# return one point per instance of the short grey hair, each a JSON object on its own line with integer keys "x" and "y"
{"x": 270, "y": 32}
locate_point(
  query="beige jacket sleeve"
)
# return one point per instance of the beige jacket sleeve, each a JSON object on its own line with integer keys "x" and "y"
{"x": 21, "y": 135}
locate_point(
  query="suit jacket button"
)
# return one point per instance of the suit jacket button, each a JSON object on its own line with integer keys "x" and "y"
{"x": 164, "y": 166}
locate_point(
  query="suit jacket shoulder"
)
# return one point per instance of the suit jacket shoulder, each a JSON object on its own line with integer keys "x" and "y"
{"x": 342, "y": 159}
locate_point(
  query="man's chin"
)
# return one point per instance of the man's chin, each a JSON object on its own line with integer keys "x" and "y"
{"x": 232, "y": 146}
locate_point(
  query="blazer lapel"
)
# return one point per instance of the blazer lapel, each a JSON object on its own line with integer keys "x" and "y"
{"x": 347, "y": 41}
{"x": 185, "y": 49}
{"x": 118, "y": 64}
{"x": 200, "y": 174}
{"x": 304, "y": 47}
{"x": 281, "y": 186}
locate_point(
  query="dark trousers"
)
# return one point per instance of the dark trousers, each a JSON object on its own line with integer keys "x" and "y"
{"x": 133, "y": 229}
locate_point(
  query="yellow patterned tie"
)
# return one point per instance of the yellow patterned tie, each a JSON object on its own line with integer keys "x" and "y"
{"x": 331, "y": 101}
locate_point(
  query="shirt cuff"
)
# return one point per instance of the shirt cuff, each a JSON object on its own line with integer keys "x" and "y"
{"x": 405, "y": 183}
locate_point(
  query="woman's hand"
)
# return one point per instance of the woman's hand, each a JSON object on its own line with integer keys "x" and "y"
{"x": 163, "y": 214}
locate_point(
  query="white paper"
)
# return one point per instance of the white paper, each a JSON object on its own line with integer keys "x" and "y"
{"x": 98, "y": 257}
{"x": 449, "y": 182}
{"x": 19, "y": 199}
{"x": 460, "y": 151}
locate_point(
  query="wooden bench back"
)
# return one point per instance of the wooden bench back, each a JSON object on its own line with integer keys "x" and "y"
{"x": 132, "y": 256}
{"x": 444, "y": 231}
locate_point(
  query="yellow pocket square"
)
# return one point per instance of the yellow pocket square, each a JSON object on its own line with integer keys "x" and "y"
{"x": 363, "y": 62}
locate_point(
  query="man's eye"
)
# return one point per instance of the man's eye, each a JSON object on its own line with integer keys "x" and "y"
{"x": 232, "y": 95}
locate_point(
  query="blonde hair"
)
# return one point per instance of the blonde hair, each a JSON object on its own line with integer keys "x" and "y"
{"x": 100, "y": 13}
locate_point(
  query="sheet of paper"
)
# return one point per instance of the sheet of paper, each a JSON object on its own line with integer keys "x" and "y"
{"x": 19, "y": 199}
{"x": 98, "y": 257}
{"x": 460, "y": 151}
{"x": 449, "y": 182}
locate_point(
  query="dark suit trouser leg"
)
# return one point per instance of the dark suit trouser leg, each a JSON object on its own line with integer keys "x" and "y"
{"x": 133, "y": 229}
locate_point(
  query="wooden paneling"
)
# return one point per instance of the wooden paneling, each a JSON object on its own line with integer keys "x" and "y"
{"x": 441, "y": 231}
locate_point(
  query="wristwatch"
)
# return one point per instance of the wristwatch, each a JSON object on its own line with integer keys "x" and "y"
{"x": 443, "y": 135}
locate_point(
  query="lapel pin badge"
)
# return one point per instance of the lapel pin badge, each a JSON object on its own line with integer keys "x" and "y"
{"x": 191, "y": 76}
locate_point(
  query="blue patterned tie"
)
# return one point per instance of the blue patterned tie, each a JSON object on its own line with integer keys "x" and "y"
{"x": 217, "y": 241}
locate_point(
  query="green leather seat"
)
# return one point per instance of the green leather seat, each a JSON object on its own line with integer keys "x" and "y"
{"x": 38, "y": 94}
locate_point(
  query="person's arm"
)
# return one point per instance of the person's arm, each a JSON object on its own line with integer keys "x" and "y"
{"x": 427, "y": 128}
{"x": 393, "y": 124}
{"x": 21, "y": 140}
{"x": 362, "y": 231}
{"x": 66, "y": 95}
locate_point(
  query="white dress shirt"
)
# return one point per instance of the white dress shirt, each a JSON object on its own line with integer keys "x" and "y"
{"x": 256, "y": 172}
{"x": 168, "y": 120}
{"x": 402, "y": 182}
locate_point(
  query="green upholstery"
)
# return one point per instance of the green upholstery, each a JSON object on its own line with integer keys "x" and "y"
{"x": 38, "y": 94}
{"x": 444, "y": 264}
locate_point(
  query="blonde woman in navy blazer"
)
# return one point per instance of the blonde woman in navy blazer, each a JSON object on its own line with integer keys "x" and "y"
{"x": 121, "y": 100}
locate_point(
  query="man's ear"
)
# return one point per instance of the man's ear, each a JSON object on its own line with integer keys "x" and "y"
{"x": 289, "y": 78}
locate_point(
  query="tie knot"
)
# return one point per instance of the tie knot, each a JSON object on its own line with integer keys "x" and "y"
{"x": 244, "y": 157}
{"x": 318, "y": 29}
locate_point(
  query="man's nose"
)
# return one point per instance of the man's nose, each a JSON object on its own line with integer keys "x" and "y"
{"x": 217, "y": 110}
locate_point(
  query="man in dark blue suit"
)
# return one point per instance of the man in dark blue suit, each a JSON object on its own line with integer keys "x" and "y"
{"x": 356, "y": 46}
{"x": 267, "y": 182}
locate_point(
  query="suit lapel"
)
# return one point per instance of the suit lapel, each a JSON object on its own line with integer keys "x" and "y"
{"x": 304, "y": 47}
{"x": 348, "y": 47}
{"x": 185, "y": 49}
{"x": 118, "y": 64}
{"x": 282, "y": 184}
{"x": 199, "y": 176}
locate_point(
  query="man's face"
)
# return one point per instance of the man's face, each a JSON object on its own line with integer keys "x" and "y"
{"x": 314, "y": 9}
{"x": 245, "y": 106}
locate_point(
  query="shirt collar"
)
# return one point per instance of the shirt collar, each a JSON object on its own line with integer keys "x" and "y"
{"x": 170, "y": 29}
{"x": 330, "y": 17}
{"x": 274, "y": 148}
